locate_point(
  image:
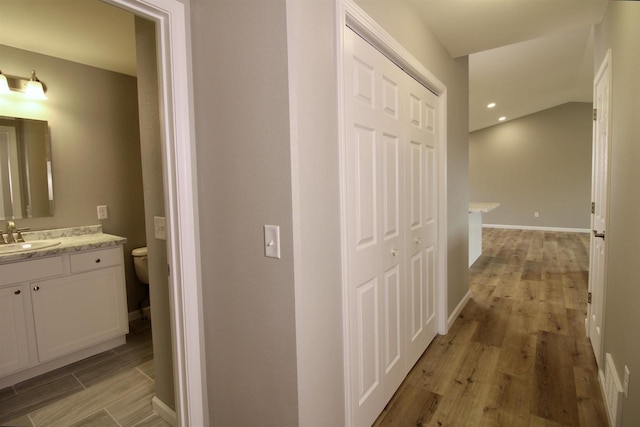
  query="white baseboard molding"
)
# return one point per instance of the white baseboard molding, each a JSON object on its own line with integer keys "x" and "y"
{"x": 456, "y": 312}
{"x": 534, "y": 227}
{"x": 164, "y": 412}
{"x": 135, "y": 315}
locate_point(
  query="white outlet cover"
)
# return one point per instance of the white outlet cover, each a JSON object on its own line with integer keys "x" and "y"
{"x": 159, "y": 230}
{"x": 103, "y": 212}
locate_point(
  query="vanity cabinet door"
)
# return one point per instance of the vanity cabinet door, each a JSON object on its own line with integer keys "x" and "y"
{"x": 14, "y": 347}
{"x": 78, "y": 311}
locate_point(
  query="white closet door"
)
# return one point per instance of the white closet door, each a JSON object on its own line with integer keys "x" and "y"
{"x": 390, "y": 201}
{"x": 376, "y": 220}
{"x": 421, "y": 229}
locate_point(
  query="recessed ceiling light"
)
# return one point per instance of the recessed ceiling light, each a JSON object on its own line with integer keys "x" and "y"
{"x": 491, "y": 105}
{"x": 502, "y": 119}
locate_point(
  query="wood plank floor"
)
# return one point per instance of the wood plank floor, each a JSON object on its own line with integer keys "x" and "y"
{"x": 517, "y": 355}
{"x": 113, "y": 388}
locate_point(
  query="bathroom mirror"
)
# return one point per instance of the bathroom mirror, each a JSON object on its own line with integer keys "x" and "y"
{"x": 26, "y": 186}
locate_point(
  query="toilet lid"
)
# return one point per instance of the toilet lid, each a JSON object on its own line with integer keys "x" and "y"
{"x": 139, "y": 251}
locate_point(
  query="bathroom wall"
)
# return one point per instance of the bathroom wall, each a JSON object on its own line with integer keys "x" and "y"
{"x": 150, "y": 142}
{"x": 93, "y": 124}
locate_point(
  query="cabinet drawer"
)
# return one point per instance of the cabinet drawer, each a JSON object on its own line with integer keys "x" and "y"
{"x": 94, "y": 260}
{"x": 26, "y": 271}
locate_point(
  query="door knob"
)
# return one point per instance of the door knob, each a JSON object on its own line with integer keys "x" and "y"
{"x": 36, "y": 288}
{"x": 17, "y": 292}
{"x": 394, "y": 252}
{"x": 600, "y": 235}
{"x": 417, "y": 240}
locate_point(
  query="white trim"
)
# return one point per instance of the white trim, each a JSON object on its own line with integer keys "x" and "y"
{"x": 456, "y": 311}
{"x": 351, "y": 15}
{"x": 181, "y": 205}
{"x": 164, "y": 412}
{"x": 533, "y": 227}
{"x": 344, "y": 246}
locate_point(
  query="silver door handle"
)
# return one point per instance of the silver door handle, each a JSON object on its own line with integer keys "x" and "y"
{"x": 596, "y": 234}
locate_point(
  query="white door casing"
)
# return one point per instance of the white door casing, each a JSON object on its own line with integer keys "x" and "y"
{"x": 599, "y": 190}
{"x": 179, "y": 167}
{"x": 391, "y": 163}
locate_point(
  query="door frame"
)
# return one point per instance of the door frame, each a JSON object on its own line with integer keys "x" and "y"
{"x": 181, "y": 205}
{"x": 605, "y": 65}
{"x": 351, "y": 15}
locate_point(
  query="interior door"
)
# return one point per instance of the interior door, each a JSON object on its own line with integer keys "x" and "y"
{"x": 375, "y": 222}
{"x": 600, "y": 167}
{"x": 422, "y": 209}
{"x": 391, "y": 226}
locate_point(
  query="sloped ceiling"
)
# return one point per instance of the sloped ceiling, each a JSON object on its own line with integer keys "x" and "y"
{"x": 86, "y": 31}
{"x": 524, "y": 55}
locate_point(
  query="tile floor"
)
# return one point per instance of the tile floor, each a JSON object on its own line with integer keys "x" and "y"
{"x": 113, "y": 388}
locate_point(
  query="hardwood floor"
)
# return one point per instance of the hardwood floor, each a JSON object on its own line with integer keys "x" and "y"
{"x": 517, "y": 355}
{"x": 113, "y": 388}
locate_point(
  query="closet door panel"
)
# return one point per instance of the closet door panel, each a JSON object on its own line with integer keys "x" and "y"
{"x": 421, "y": 233}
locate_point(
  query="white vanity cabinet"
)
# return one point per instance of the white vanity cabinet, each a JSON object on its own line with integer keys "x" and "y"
{"x": 60, "y": 309}
{"x": 14, "y": 347}
{"x": 81, "y": 309}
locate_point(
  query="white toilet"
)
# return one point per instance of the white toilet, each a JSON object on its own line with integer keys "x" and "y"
{"x": 140, "y": 264}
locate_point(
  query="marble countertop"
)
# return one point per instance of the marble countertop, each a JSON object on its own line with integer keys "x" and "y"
{"x": 71, "y": 240}
{"x": 483, "y": 207}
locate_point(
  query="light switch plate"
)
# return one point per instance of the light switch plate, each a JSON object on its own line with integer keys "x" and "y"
{"x": 272, "y": 241}
{"x": 625, "y": 386}
{"x": 159, "y": 228}
{"x": 103, "y": 212}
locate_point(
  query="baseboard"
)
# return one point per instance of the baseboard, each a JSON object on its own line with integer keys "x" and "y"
{"x": 164, "y": 412}
{"x": 534, "y": 227}
{"x": 135, "y": 315}
{"x": 456, "y": 312}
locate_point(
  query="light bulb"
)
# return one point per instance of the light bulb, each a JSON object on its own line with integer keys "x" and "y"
{"x": 34, "y": 89}
{"x": 4, "y": 85}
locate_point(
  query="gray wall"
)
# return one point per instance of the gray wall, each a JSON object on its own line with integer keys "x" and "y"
{"x": 541, "y": 162}
{"x": 620, "y": 32}
{"x": 241, "y": 101}
{"x": 401, "y": 21}
{"x": 151, "y": 148}
{"x": 93, "y": 123}
{"x": 266, "y": 126}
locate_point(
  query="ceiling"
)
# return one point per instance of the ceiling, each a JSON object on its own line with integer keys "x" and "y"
{"x": 524, "y": 55}
{"x": 86, "y": 31}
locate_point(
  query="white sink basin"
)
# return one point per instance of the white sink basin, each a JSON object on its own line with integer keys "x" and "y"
{"x": 27, "y": 246}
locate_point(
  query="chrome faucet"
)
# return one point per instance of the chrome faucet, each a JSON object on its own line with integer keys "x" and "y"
{"x": 8, "y": 235}
{"x": 11, "y": 227}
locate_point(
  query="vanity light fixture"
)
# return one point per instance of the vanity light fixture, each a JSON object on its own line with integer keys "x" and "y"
{"x": 31, "y": 88}
{"x": 4, "y": 85}
{"x": 502, "y": 119}
{"x": 34, "y": 88}
{"x": 491, "y": 105}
